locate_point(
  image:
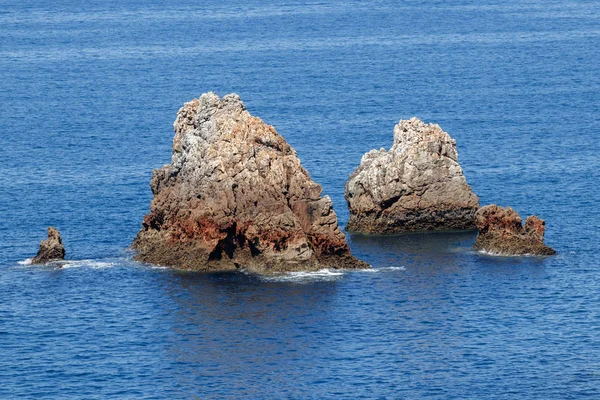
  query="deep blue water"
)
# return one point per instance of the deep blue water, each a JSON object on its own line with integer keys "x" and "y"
{"x": 88, "y": 94}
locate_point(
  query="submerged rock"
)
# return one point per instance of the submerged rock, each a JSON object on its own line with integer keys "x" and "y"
{"x": 51, "y": 249}
{"x": 501, "y": 232}
{"x": 416, "y": 185}
{"x": 236, "y": 196}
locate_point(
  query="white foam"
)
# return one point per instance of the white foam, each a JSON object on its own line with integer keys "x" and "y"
{"x": 497, "y": 254}
{"x": 302, "y": 276}
{"x": 137, "y": 264}
{"x": 322, "y": 274}
{"x": 73, "y": 263}
{"x": 366, "y": 270}
{"x": 391, "y": 269}
{"x": 87, "y": 263}
{"x": 379, "y": 269}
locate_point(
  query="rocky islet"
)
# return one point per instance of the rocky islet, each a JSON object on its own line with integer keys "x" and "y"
{"x": 235, "y": 196}
{"x": 51, "y": 249}
{"x": 501, "y": 232}
{"x": 417, "y": 185}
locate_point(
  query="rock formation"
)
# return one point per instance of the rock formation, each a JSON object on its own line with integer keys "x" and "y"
{"x": 416, "y": 185}
{"x": 51, "y": 249}
{"x": 236, "y": 196}
{"x": 501, "y": 232}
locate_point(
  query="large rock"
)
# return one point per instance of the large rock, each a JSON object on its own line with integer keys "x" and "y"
{"x": 51, "y": 249}
{"x": 501, "y": 232}
{"x": 416, "y": 185}
{"x": 236, "y": 196}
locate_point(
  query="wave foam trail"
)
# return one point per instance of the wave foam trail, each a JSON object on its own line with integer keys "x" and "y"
{"x": 320, "y": 275}
{"x": 497, "y": 254}
{"x": 392, "y": 269}
{"x": 87, "y": 263}
{"x": 97, "y": 264}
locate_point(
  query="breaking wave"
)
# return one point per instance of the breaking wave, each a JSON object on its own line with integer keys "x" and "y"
{"x": 320, "y": 275}
{"x": 87, "y": 263}
{"x": 325, "y": 274}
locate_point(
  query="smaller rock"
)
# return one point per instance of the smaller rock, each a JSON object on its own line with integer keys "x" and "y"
{"x": 417, "y": 185}
{"x": 51, "y": 249}
{"x": 501, "y": 232}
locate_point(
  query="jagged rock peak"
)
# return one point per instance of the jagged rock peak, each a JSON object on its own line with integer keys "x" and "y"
{"x": 416, "y": 185}
{"x": 51, "y": 249}
{"x": 236, "y": 196}
{"x": 501, "y": 232}
{"x": 415, "y": 134}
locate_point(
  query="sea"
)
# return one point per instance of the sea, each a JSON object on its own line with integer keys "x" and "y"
{"x": 89, "y": 91}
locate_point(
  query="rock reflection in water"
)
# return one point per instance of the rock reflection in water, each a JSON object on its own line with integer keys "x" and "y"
{"x": 434, "y": 253}
{"x": 242, "y": 327}
{"x": 420, "y": 249}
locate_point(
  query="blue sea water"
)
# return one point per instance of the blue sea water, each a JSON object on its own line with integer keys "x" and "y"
{"x": 88, "y": 94}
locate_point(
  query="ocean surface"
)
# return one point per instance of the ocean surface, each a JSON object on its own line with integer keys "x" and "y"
{"x": 89, "y": 91}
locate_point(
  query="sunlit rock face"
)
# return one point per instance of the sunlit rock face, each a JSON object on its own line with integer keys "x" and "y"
{"x": 501, "y": 232}
{"x": 235, "y": 196}
{"x": 51, "y": 249}
{"x": 416, "y": 185}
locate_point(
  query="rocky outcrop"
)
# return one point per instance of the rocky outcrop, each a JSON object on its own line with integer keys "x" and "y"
{"x": 236, "y": 196}
{"x": 501, "y": 232}
{"x": 416, "y": 185}
{"x": 51, "y": 249}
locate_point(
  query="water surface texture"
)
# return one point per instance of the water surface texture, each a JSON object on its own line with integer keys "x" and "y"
{"x": 88, "y": 94}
